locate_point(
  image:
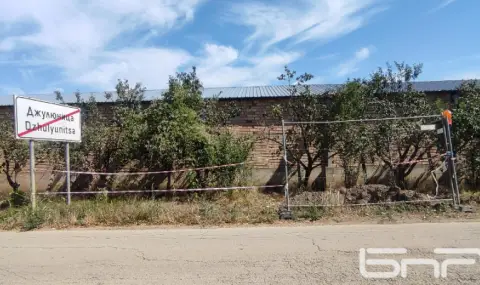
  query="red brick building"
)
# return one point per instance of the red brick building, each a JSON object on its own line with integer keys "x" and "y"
{"x": 255, "y": 103}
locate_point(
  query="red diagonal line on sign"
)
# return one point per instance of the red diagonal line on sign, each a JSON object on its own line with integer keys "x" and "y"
{"x": 48, "y": 123}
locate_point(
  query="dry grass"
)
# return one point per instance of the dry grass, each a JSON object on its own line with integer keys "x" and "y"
{"x": 222, "y": 208}
{"x": 400, "y": 213}
{"x": 233, "y": 207}
{"x": 470, "y": 197}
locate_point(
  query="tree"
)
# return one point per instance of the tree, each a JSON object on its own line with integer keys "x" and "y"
{"x": 14, "y": 157}
{"x": 398, "y": 142}
{"x": 353, "y": 139}
{"x": 107, "y": 144}
{"x": 178, "y": 130}
{"x": 184, "y": 130}
{"x": 466, "y": 131}
{"x": 307, "y": 145}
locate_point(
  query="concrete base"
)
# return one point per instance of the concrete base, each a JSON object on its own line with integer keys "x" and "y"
{"x": 466, "y": 209}
{"x": 285, "y": 214}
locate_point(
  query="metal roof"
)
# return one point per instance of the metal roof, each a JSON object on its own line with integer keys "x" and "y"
{"x": 437, "y": 86}
{"x": 261, "y": 91}
{"x": 242, "y": 92}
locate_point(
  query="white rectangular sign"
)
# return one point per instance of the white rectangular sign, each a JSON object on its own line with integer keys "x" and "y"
{"x": 428, "y": 127}
{"x": 40, "y": 120}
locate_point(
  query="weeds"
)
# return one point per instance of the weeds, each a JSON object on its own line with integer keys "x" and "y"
{"x": 389, "y": 213}
{"x": 231, "y": 207}
{"x": 234, "y": 207}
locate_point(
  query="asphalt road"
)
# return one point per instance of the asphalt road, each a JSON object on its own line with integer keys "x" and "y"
{"x": 268, "y": 255}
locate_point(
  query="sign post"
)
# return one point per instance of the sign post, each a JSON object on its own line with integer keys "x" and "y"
{"x": 67, "y": 165}
{"x": 31, "y": 147}
{"x": 37, "y": 120}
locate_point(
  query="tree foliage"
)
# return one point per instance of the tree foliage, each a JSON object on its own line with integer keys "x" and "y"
{"x": 466, "y": 131}
{"x": 307, "y": 144}
{"x": 14, "y": 156}
{"x": 387, "y": 93}
{"x": 397, "y": 142}
{"x": 353, "y": 139}
{"x": 178, "y": 130}
{"x": 183, "y": 129}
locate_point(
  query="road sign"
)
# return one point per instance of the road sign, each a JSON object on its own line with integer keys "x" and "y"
{"x": 40, "y": 120}
{"x": 428, "y": 127}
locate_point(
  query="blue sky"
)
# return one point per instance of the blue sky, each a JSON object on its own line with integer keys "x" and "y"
{"x": 87, "y": 45}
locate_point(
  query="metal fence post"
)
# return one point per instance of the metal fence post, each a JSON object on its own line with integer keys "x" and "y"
{"x": 287, "y": 195}
{"x": 452, "y": 163}
{"x": 67, "y": 165}
{"x": 31, "y": 147}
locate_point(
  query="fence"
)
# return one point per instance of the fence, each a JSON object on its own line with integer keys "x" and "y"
{"x": 390, "y": 135}
{"x": 386, "y": 151}
{"x": 114, "y": 191}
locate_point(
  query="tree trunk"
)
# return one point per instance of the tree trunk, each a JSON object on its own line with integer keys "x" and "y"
{"x": 299, "y": 174}
{"x": 169, "y": 181}
{"x": 306, "y": 179}
{"x": 400, "y": 176}
{"x": 15, "y": 186}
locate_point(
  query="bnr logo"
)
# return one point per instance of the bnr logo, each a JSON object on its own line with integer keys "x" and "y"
{"x": 400, "y": 268}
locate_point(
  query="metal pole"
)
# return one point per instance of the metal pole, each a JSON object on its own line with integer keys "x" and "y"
{"x": 452, "y": 162}
{"x": 287, "y": 196}
{"x": 447, "y": 148}
{"x": 67, "y": 165}
{"x": 32, "y": 173}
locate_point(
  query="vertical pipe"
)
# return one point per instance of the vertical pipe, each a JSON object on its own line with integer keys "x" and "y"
{"x": 287, "y": 196}
{"x": 450, "y": 171}
{"x": 32, "y": 174}
{"x": 452, "y": 163}
{"x": 67, "y": 165}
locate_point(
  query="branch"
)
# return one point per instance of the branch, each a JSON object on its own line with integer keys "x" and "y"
{"x": 305, "y": 145}
{"x": 333, "y": 155}
{"x": 404, "y": 154}
{"x": 387, "y": 162}
{"x": 297, "y": 159}
{"x": 412, "y": 166}
{"x": 6, "y": 170}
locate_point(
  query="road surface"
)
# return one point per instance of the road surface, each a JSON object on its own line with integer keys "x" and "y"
{"x": 258, "y": 255}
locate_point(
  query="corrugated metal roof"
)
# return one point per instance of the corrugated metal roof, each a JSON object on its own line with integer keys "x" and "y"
{"x": 435, "y": 86}
{"x": 242, "y": 92}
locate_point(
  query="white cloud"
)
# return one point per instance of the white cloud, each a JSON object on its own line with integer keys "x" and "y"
{"x": 89, "y": 42}
{"x": 7, "y": 44}
{"x": 442, "y": 5}
{"x": 305, "y": 21}
{"x": 77, "y": 36}
{"x": 217, "y": 67}
{"x": 217, "y": 55}
{"x": 351, "y": 65}
{"x": 151, "y": 66}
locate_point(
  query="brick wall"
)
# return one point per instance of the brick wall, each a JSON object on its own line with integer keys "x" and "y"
{"x": 6, "y": 113}
{"x": 253, "y": 120}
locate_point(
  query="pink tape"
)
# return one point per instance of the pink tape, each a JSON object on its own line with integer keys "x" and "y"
{"x": 166, "y": 191}
{"x": 149, "y": 172}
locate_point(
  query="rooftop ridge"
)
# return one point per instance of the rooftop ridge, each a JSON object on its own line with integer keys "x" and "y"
{"x": 239, "y": 92}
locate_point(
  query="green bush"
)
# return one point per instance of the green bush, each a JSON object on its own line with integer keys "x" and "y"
{"x": 18, "y": 198}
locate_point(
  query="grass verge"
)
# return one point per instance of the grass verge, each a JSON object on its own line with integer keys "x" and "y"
{"x": 231, "y": 207}
{"x": 399, "y": 213}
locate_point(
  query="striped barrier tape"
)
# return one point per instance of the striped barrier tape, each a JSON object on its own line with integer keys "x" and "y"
{"x": 164, "y": 191}
{"x": 149, "y": 172}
